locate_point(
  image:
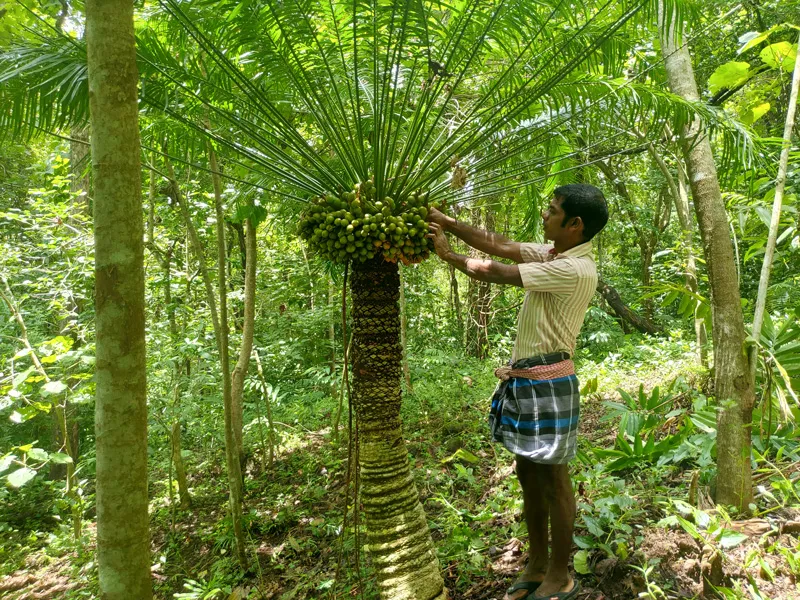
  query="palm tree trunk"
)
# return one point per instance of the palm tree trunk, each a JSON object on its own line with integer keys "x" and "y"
{"x": 123, "y": 536}
{"x": 403, "y": 329}
{"x": 399, "y": 541}
{"x": 733, "y": 387}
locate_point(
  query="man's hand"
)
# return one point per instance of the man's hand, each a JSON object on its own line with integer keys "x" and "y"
{"x": 438, "y": 217}
{"x": 440, "y": 244}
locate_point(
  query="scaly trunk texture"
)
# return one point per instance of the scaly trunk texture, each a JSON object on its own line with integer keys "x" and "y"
{"x": 733, "y": 388}
{"x": 403, "y": 329}
{"x": 123, "y": 536}
{"x": 397, "y": 529}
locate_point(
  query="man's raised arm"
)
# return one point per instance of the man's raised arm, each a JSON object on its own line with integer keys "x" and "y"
{"x": 480, "y": 239}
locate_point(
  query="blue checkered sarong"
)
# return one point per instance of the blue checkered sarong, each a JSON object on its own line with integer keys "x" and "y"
{"x": 537, "y": 419}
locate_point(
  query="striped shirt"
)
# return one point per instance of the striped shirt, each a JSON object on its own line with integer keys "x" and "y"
{"x": 559, "y": 288}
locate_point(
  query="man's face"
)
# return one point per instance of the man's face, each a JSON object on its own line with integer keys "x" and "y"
{"x": 552, "y": 218}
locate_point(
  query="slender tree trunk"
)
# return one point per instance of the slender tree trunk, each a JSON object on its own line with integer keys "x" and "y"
{"x": 680, "y": 197}
{"x": 399, "y": 540}
{"x": 233, "y": 414}
{"x": 624, "y": 312}
{"x": 243, "y": 363}
{"x": 733, "y": 388}
{"x": 629, "y": 208}
{"x": 456, "y": 301}
{"x": 270, "y": 428}
{"x": 221, "y": 336}
{"x": 479, "y": 299}
{"x": 775, "y": 221}
{"x": 123, "y": 536}
{"x": 78, "y": 158}
{"x": 64, "y": 442}
{"x": 332, "y": 326}
{"x": 180, "y": 470}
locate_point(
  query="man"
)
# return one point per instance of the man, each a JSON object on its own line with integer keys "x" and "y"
{"x": 535, "y": 409}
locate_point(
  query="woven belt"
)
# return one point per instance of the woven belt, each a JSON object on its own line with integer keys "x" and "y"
{"x": 564, "y": 368}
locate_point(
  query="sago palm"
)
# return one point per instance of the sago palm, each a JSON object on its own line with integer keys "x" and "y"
{"x": 363, "y": 113}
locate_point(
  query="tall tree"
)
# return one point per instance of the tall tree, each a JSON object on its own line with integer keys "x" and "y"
{"x": 123, "y": 537}
{"x": 732, "y": 385}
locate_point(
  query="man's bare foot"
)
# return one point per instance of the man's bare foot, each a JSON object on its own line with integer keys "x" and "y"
{"x": 522, "y": 593}
{"x": 550, "y": 587}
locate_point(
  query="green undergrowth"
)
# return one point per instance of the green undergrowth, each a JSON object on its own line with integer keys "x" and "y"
{"x": 644, "y": 475}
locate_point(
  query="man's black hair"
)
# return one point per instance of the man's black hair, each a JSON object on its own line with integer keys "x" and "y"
{"x": 584, "y": 201}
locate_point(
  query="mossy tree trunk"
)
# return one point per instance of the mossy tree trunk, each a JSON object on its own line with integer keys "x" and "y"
{"x": 397, "y": 530}
{"x": 123, "y": 536}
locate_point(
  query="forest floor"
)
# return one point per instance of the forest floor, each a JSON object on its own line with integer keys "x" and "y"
{"x": 645, "y": 528}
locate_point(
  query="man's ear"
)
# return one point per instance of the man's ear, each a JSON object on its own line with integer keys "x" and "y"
{"x": 576, "y": 223}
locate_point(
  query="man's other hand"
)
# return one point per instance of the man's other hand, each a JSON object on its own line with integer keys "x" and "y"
{"x": 438, "y": 217}
{"x": 440, "y": 243}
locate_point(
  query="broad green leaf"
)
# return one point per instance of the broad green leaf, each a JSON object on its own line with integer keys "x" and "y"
{"x": 751, "y": 39}
{"x": 781, "y": 54}
{"x": 581, "y": 562}
{"x": 21, "y": 377}
{"x": 21, "y": 476}
{"x": 6, "y": 462}
{"x": 22, "y": 353}
{"x": 60, "y": 458}
{"x": 730, "y": 539}
{"x": 38, "y": 454}
{"x": 729, "y": 75}
{"x": 754, "y": 113}
{"x": 54, "y": 387}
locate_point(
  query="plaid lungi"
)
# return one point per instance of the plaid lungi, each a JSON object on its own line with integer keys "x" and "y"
{"x": 537, "y": 418}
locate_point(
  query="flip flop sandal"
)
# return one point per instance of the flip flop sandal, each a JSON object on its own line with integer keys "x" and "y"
{"x": 573, "y": 593}
{"x": 528, "y": 586}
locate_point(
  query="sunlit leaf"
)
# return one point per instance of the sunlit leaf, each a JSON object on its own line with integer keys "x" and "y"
{"x": 729, "y": 75}
{"x": 21, "y": 476}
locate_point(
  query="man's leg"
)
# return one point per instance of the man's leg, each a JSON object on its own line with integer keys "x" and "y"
{"x": 558, "y": 491}
{"x": 536, "y": 515}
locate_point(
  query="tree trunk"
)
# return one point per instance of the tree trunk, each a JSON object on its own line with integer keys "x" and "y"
{"x": 456, "y": 301}
{"x": 680, "y": 197}
{"x": 78, "y": 157}
{"x": 624, "y": 312}
{"x": 270, "y": 428}
{"x": 248, "y": 326}
{"x": 123, "y": 536}
{"x": 403, "y": 328}
{"x": 479, "y": 301}
{"x": 399, "y": 541}
{"x": 629, "y": 208}
{"x": 733, "y": 388}
{"x": 232, "y": 413}
{"x": 180, "y": 471}
{"x": 775, "y": 221}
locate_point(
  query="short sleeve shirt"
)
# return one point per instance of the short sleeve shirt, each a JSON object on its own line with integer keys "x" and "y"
{"x": 558, "y": 288}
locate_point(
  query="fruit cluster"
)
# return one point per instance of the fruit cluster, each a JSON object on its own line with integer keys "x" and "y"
{"x": 358, "y": 226}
